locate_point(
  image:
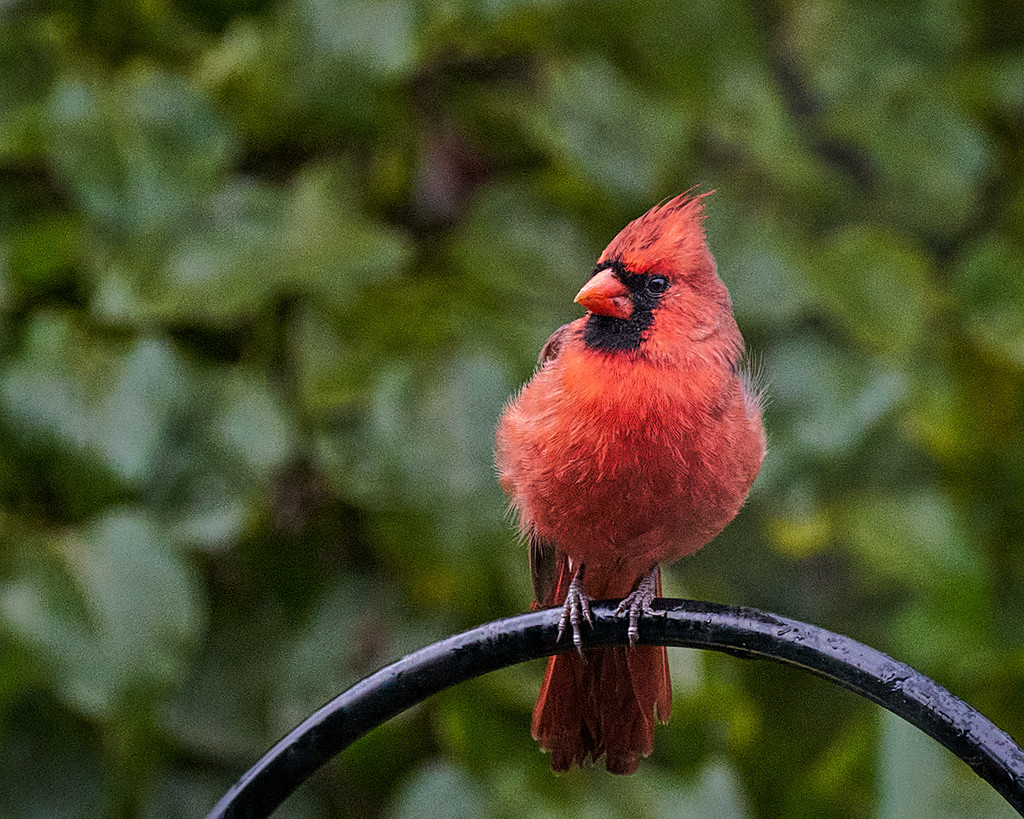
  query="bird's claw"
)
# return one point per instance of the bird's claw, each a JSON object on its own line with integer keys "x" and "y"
{"x": 638, "y": 603}
{"x": 575, "y": 609}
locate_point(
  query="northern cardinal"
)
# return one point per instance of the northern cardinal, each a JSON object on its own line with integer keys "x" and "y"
{"x": 634, "y": 444}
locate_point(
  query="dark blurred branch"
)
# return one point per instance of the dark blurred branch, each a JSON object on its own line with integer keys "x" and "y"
{"x": 803, "y": 105}
{"x": 747, "y": 632}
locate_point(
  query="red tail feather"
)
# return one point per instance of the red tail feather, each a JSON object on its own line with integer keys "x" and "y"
{"x": 603, "y": 704}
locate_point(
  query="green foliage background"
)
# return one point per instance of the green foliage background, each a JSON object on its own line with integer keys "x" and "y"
{"x": 269, "y": 270}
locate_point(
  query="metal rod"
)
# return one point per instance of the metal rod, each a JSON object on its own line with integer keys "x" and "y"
{"x": 750, "y": 633}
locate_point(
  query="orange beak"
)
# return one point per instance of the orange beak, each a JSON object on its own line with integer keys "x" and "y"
{"x": 605, "y": 295}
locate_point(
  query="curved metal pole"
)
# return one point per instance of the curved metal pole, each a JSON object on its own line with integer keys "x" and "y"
{"x": 993, "y": 755}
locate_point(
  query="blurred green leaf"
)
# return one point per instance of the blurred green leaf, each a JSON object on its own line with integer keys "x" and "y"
{"x": 117, "y": 406}
{"x": 935, "y": 159}
{"x": 254, "y": 245}
{"x": 431, "y": 444}
{"x": 990, "y": 293}
{"x": 350, "y": 625}
{"x": 145, "y": 604}
{"x": 43, "y": 253}
{"x": 324, "y": 365}
{"x": 181, "y": 797}
{"x": 438, "y": 789}
{"x": 139, "y": 153}
{"x": 255, "y": 428}
{"x": 51, "y": 768}
{"x": 213, "y": 514}
{"x": 751, "y": 120}
{"x": 920, "y": 778}
{"x": 142, "y": 612}
{"x": 1005, "y": 77}
{"x": 715, "y": 793}
{"x": 917, "y": 542}
{"x": 220, "y": 708}
{"x": 829, "y": 400}
{"x": 611, "y": 133}
{"x": 759, "y": 263}
{"x": 27, "y": 66}
{"x": 35, "y": 611}
{"x": 516, "y": 250}
{"x": 912, "y": 771}
{"x": 878, "y": 287}
{"x": 378, "y": 36}
{"x": 914, "y": 537}
{"x": 890, "y": 85}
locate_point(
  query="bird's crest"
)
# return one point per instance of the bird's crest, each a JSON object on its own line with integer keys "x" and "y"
{"x": 668, "y": 239}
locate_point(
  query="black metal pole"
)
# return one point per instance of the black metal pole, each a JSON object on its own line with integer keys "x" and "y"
{"x": 993, "y": 755}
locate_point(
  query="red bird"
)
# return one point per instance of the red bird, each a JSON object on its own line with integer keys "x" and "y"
{"x": 634, "y": 444}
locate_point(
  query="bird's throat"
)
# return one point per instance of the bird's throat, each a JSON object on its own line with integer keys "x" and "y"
{"x": 610, "y": 334}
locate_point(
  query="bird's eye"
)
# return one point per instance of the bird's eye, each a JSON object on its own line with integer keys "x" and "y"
{"x": 656, "y": 285}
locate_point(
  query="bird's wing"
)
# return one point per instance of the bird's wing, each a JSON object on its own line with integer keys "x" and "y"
{"x": 543, "y": 569}
{"x": 551, "y": 348}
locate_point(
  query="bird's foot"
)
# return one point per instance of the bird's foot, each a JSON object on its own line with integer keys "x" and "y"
{"x": 575, "y": 609}
{"x": 638, "y": 603}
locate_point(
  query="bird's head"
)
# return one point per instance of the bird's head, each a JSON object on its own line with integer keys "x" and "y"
{"x": 655, "y": 286}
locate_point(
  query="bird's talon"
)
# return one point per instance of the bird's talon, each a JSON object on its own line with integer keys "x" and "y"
{"x": 577, "y": 602}
{"x": 638, "y": 603}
